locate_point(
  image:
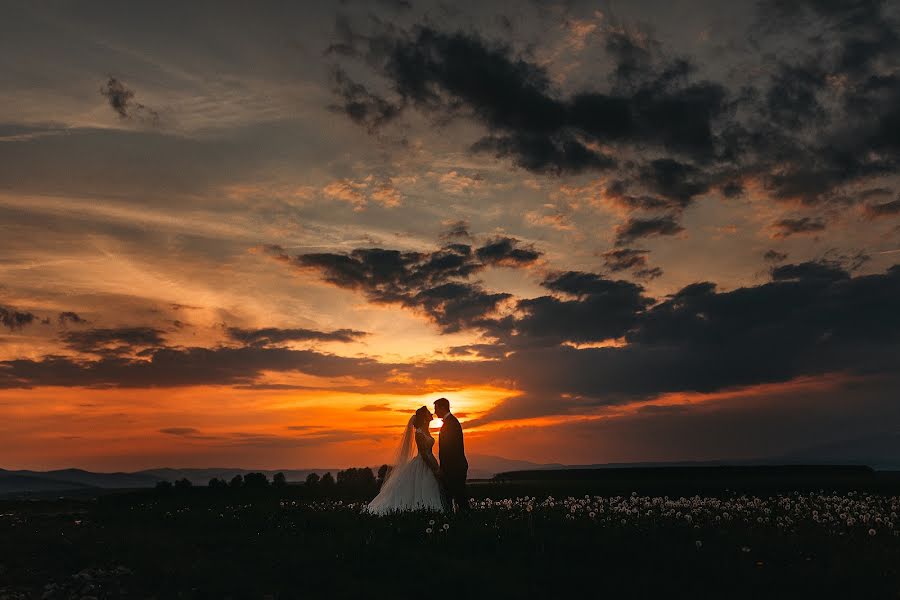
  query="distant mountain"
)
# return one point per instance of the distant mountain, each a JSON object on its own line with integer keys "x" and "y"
{"x": 483, "y": 466}
{"x": 24, "y": 481}
{"x": 880, "y": 451}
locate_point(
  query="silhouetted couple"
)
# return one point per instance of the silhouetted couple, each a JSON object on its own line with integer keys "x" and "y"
{"x": 417, "y": 480}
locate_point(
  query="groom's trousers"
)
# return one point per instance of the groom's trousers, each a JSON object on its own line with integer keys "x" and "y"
{"x": 455, "y": 484}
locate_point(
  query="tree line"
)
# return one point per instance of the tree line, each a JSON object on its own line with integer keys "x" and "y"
{"x": 356, "y": 478}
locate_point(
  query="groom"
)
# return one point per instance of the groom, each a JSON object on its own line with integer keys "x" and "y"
{"x": 454, "y": 466}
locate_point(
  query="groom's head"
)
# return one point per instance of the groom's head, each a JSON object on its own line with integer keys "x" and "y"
{"x": 441, "y": 407}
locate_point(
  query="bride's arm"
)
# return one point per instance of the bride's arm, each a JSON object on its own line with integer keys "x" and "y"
{"x": 425, "y": 453}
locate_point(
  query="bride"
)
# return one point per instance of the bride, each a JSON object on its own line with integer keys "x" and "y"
{"x": 413, "y": 482}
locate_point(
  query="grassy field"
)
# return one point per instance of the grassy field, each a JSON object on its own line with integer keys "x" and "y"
{"x": 291, "y": 543}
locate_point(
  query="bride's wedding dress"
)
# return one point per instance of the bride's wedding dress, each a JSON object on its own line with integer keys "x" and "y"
{"x": 411, "y": 484}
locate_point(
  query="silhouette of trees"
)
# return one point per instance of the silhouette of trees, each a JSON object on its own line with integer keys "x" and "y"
{"x": 327, "y": 481}
{"x": 237, "y": 481}
{"x": 312, "y": 480}
{"x": 279, "y": 480}
{"x": 256, "y": 481}
{"x": 164, "y": 485}
{"x": 217, "y": 483}
{"x": 183, "y": 483}
{"x": 358, "y": 478}
{"x": 383, "y": 472}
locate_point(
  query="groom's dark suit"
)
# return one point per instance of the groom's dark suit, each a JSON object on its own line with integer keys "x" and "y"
{"x": 454, "y": 465}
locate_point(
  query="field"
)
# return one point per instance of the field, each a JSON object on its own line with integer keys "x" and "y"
{"x": 292, "y": 543}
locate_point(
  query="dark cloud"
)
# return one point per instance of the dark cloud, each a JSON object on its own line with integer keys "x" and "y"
{"x": 456, "y": 230}
{"x": 808, "y": 321}
{"x": 774, "y": 256}
{"x": 67, "y": 317}
{"x": 885, "y": 209}
{"x": 676, "y": 181}
{"x": 636, "y": 228}
{"x": 15, "y": 319}
{"x": 177, "y": 367}
{"x": 121, "y": 100}
{"x": 113, "y": 341}
{"x": 433, "y": 282}
{"x": 505, "y": 251}
{"x": 182, "y": 431}
{"x": 375, "y": 408}
{"x": 625, "y": 259}
{"x": 788, "y": 227}
{"x": 361, "y": 105}
{"x": 820, "y": 120}
{"x": 272, "y": 335}
{"x": 448, "y": 74}
{"x": 597, "y": 309}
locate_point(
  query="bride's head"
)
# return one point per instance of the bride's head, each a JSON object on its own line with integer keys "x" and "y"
{"x": 423, "y": 418}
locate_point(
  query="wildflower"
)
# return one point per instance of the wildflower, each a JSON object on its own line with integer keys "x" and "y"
{"x": 698, "y": 544}
{"x": 872, "y": 532}
{"x": 431, "y": 522}
{"x": 428, "y": 530}
{"x": 446, "y": 526}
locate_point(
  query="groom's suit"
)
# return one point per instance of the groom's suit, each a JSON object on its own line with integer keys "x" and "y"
{"x": 454, "y": 465}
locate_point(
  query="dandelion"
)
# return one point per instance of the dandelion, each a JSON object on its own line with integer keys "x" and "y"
{"x": 431, "y": 522}
{"x": 698, "y": 544}
{"x": 446, "y": 526}
{"x": 872, "y": 532}
{"x": 428, "y": 530}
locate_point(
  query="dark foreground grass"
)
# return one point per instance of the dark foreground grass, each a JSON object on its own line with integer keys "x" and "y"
{"x": 271, "y": 543}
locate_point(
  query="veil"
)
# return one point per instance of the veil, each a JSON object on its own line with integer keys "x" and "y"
{"x": 404, "y": 454}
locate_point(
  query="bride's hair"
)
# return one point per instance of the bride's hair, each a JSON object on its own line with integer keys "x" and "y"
{"x": 422, "y": 418}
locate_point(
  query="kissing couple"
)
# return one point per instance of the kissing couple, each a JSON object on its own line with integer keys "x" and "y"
{"x": 417, "y": 480}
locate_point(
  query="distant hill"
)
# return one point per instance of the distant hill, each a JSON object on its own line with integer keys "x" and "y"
{"x": 881, "y": 452}
{"x": 71, "y": 480}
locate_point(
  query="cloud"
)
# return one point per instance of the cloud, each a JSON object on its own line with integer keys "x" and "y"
{"x": 433, "y": 282}
{"x": 180, "y": 431}
{"x": 884, "y": 209}
{"x": 774, "y": 256}
{"x": 121, "y": 99}
{"x": 824, "y": 119}
{"x": 630, "y": 259}
{"x": 375, "y": 408}
{"x": 71, "y": 317}
{"x": 456, "y": 73}
{"x": 15, "y": 319}
{"x": 113, "y": 341}
{"x": 362, "y": 106}
{"x": 810, "y": 320}
{"x": 272, "y": 335}
{"x": 636, "y": 228}
{"x": 504, "y": 251}
{"x": 788, "y": 227}
{"x": 167, "y": 367}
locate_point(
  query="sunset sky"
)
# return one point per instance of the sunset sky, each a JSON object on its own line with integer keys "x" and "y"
{"x": 249, "y": 234}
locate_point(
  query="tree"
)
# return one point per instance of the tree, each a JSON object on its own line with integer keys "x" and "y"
{"x": 360, "y": 478}
{"x": 312, "y": 480}
{"x": 183, "y": 483}
{"x": 327, "y": 480}
{"x": 237, "y": 481}
{"x": 383, "y": 472}
{"x": 256, "y": 480}
{"x": 217, "y": 483}
{"x": 279, "y": 480}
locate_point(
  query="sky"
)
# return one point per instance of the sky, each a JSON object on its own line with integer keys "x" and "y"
{"x": 263, "y": 234}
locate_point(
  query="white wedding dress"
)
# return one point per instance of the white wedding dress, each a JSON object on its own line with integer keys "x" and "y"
{"x": 411, "y": 484}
